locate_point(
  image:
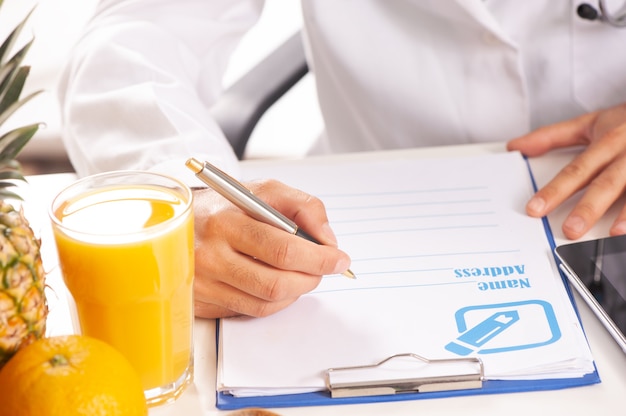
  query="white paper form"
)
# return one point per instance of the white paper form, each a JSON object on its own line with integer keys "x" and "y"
{"x": 448, "y": 265}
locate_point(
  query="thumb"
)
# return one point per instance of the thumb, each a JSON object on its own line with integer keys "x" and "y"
{"x": 307, "y": 211}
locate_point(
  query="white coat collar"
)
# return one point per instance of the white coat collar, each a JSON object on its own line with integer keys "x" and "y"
{"x": 478, "y": 11}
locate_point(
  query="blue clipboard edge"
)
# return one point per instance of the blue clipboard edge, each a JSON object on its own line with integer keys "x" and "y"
{"x": 552, "y": 243}
{"x": 226, "y": 401}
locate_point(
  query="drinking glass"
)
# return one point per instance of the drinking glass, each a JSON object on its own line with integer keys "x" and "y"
{"x": 125, "y": 247}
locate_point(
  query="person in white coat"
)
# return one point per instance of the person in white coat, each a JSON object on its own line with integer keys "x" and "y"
{"x": 390, "y": 74}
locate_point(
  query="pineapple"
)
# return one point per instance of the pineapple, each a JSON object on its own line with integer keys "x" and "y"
{"x": 23, "y": 306}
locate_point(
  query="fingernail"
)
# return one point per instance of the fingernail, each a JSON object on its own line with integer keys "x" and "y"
{"x": 342, "y": 265}
{"x": 619, "y": 228}
{"x": 328, "y": 233}
{"x": 575, "y": 224}
{"x": 536, "y": 205}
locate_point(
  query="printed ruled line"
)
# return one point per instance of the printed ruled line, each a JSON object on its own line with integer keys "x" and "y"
{"x": 355, "y": 289}
{"x": 408, "y": 230}
{"x": 404, "y": 192}
{"x": 411, "y": 217}
{"x": 445, "y": 254}
{"x": 407, "y": 204}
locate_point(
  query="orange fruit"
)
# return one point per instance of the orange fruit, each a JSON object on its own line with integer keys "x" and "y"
{"x": 70, "y": 375}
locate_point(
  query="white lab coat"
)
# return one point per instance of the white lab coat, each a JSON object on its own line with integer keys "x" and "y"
{"x": 389, "y": 73}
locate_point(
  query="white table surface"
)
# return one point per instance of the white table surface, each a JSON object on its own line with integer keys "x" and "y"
{"x": 199, "y": 398}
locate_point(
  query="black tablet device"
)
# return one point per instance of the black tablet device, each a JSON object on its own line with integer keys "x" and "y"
{"x": 597, "y": 270}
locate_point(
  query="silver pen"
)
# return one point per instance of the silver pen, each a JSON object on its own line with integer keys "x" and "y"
{"x": 242, "y": 197}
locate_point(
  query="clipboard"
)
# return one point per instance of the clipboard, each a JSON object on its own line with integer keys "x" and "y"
{"x": 388, "y": 389}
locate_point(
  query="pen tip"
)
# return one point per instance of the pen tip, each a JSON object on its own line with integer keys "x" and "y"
{"x": 194, "y": 164}
{"x": 348, "y": 273}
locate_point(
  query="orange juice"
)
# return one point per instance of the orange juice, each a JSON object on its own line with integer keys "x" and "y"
{"x": 126, "y": 255}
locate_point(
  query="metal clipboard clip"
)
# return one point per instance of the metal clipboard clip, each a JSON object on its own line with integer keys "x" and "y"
{"x": 405, "y": 373}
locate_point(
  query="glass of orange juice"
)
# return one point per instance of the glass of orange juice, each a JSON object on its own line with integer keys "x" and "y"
{"x": 125, "y": 246}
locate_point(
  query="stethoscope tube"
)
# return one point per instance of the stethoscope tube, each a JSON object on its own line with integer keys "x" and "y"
{"x": 587, "y": 11}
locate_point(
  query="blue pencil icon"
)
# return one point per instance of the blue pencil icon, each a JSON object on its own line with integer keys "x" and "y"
{"x": 483, "y": 332}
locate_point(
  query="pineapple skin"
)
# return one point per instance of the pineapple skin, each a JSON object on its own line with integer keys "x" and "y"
{"x": 23, "y": 306}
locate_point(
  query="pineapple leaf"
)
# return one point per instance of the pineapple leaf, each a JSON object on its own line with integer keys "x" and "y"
{"x": 11, "y": 105}
{"x": 7, "y": 180}
{"x": 10, "y": 175}
{"x": 12, "y": 142}
{"x": 7, "y": 70}
{"x": 9, "y": 42}
{"x": 4, "y": 187}
{"x": 6, "y": 194}
{"x": 14, "y": 78}
{"x": 11, "y": 92}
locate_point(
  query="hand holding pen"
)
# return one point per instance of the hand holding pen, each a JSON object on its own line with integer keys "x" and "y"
{"x": 246, "y": 266}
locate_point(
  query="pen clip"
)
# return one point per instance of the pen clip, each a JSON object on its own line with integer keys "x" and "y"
{"x": 235, "y": 192}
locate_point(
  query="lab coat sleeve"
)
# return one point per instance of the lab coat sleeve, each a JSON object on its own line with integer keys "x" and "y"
{"x": 136, "y": 90}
